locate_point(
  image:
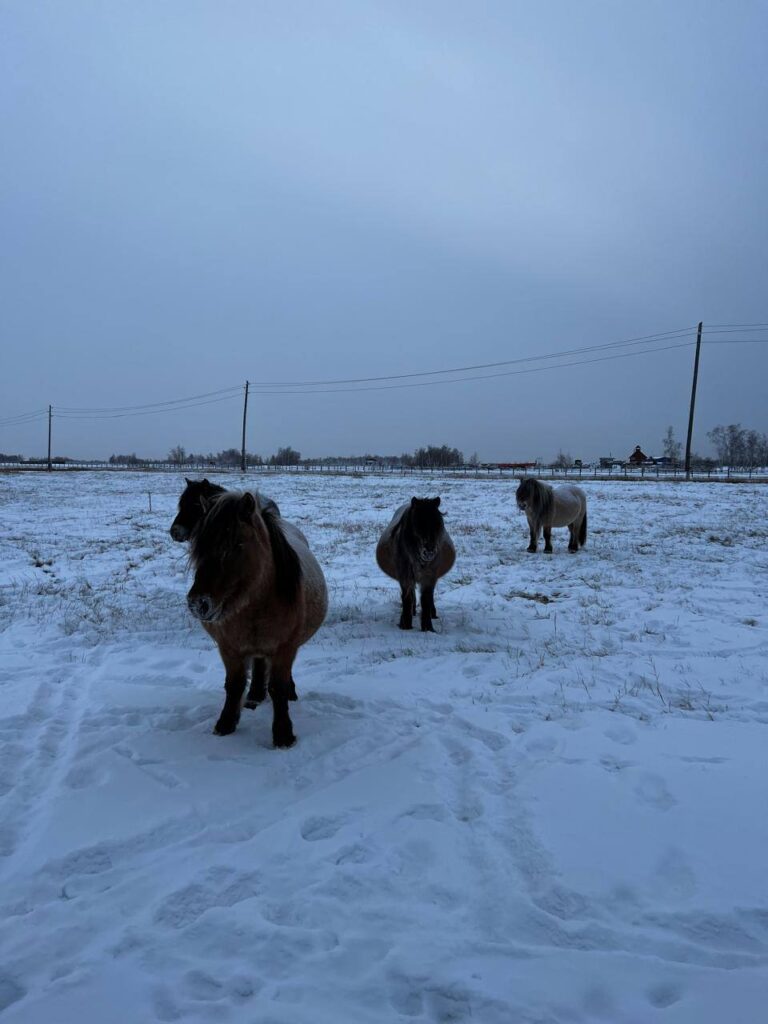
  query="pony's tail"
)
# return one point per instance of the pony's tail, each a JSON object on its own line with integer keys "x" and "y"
{"x": 583, "y": 531}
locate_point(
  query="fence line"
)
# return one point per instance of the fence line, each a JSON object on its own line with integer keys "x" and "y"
{"x": 721, "y": 474}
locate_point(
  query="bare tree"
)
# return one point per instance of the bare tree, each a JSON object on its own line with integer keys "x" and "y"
{"x": 177, "y": 455}
{"x": 672, "y": 448}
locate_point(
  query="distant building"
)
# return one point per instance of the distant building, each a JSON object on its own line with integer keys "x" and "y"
{"x": 638, "y": 457}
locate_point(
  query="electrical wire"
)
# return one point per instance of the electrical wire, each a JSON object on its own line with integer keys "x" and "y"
{"x": 486, "y": 376}
{"x": 145, "y": 412}
{"x": 151, "y": 405}
{"x": 665, "y": 335}
{"x": 23, "y": 417}
{"x": 708, "y": 327}
{"x": 389, "y": 382}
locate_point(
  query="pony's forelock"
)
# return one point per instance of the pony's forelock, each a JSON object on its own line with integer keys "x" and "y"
{"x": 219, "y": 531}
{"x": 216, "y": 533}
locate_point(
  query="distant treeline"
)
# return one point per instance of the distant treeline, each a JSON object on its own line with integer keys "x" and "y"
{"x": 429, "y": 456}
{"x": 738, "y": 447}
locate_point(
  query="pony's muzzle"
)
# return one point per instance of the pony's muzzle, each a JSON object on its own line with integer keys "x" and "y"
{"x": 201, "y": 607}
{"x": 179, "y": 532}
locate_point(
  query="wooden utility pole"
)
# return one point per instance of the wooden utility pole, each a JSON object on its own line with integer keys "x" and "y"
{"x": 50, "y": 467}
{"x": 245, "y": 414}
{"x": 693, "y": 404}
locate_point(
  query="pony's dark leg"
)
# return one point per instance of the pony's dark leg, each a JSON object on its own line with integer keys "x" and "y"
{"x": 427, "y": 604}
{"x": 548, "y": 540}
{"x": 408, "y": 596}
{"x": 280, "y": 679}
{"x": 258, "y": 688}
{"x": 433, "y": 610}
{"x": 292, "y": 695}
{"x": 234, "y": 687}
{"x": 573, "y": 543}
{"x": 534, "y": 531}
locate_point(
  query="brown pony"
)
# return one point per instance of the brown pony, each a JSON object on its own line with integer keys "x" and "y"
{"x": 259, "y": 593}
{"x": 546, "y": 506}
{"x": 192, "y": 504}
{"x": 415, "y": 549}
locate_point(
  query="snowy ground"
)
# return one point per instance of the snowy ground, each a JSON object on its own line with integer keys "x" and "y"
{"x": 553, "y": 810}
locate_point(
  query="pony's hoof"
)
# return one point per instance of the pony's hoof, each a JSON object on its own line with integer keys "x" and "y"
{"x": 549, "y": 551}
{"x": 405, "y": 625}
{"x": 531, "y": 551}
{"x": 224, "y": 727}
{"x": 283, "y": 738}
{"x": 252, "y": 703}
{"x": 428, "y": 629}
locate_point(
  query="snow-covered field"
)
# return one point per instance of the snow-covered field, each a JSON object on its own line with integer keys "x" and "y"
{"x": 555, "y": 809}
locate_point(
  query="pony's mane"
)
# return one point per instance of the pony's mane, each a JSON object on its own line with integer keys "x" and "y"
{"x": 218, "y": 532}
{"x": 287, "y": 565}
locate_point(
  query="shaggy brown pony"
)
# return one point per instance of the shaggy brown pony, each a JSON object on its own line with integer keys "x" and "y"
{"x": 546, "y": 506}
{"x": 192, "y": 503}
{"x": 259, "y": 593}
{"x": 415, "y": 549}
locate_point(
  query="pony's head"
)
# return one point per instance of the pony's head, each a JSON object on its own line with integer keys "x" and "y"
{"x": 229, "y": 550}
{"x": 191, "y": 507}
{"x": 237, "y": 551}
{"x": 425, "y": 521}
{"x": 527, "y": 495}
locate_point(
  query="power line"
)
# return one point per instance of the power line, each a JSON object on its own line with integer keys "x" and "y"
{"x": 716, "y": 326}
{"x": 387, "y": 382}
{"x": 23, "y": 417}
{"x": 738, "y": 330}
{"x": 145, "y": 412}
{"x": 149, "y": 405}
{"x": 665, "y": 335}
{"x": 486, "y": 376}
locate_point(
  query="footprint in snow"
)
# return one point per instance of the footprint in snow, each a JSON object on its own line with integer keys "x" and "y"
{"x": 652, "y": 790}
{"x": 321, "y": 827}
{"x": 664, "y": 994}
{"x": 623, "y": 734}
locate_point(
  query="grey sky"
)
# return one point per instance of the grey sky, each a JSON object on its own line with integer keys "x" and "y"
{"x": 195, "y": 193}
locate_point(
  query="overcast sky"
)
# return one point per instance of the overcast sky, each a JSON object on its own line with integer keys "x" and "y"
{"x": 196, "y": 193}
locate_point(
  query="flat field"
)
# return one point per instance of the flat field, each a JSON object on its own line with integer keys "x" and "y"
{"x": 555, "y": 809}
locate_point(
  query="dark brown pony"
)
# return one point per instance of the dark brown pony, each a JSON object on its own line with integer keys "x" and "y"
{"x": 546, "y": 506}
{"x": 259, "y": 593}
{"x": 192, "y": 502}
{"x": 416, "y": 550}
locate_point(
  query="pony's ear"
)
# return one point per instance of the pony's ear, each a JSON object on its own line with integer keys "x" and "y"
{"x": 187, "y": 480}
{"x": 413, "y": 502}
{"x": 436, "y": 502}
{"x": 246, "y": 507}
